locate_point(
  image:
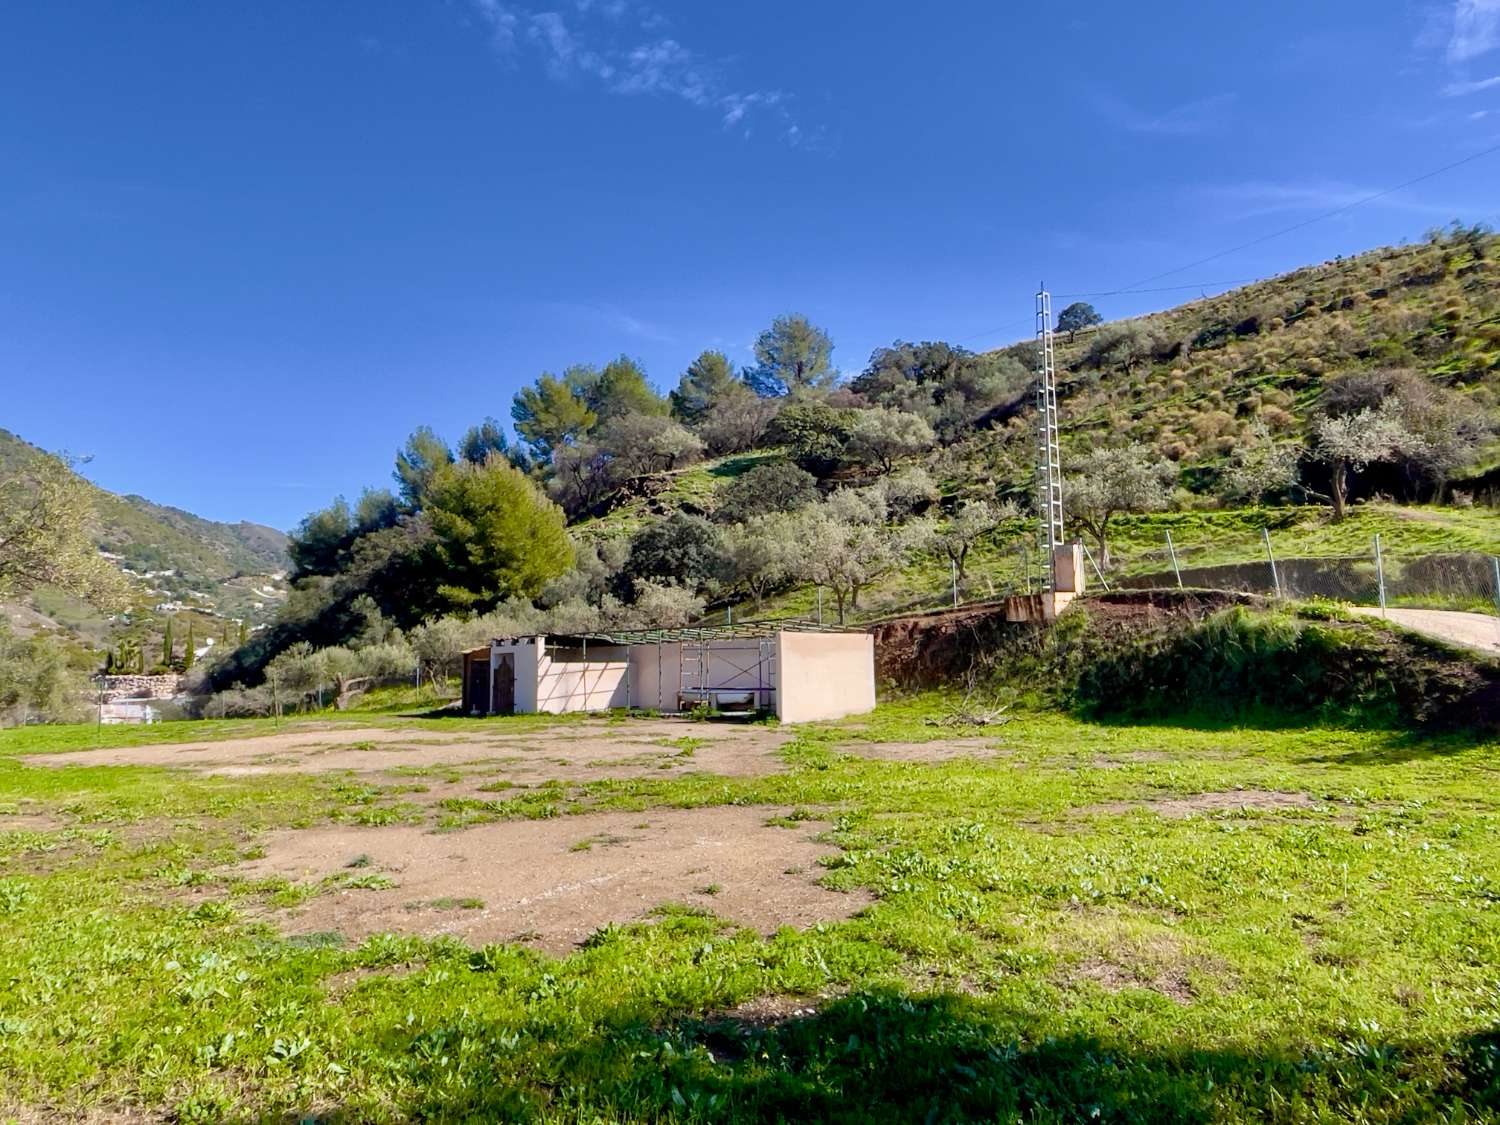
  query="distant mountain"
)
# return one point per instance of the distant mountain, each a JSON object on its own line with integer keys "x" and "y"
{"x": 182, "y": 562}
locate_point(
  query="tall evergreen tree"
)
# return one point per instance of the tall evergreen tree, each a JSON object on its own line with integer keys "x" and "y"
{"x": 187, "y": 651}
{"x": 793, "y": 354}
{"x": 166, "y": 644}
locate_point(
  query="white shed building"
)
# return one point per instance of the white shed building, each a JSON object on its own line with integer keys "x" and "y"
{"x": 798, "y": 672}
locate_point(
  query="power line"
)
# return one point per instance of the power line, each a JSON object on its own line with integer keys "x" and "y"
{"x": 1135, "y": 286}
{"x": 1315, "y": 219}
{"x": 1165, "y": 288}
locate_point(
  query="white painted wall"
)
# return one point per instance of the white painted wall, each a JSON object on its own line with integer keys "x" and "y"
{"x": 824, "y": 675}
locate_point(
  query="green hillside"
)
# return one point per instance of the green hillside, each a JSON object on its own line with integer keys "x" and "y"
{"x": 150, "y": 536}
{"x": 185, "y": 568}
{"x": 1193, "y": 380}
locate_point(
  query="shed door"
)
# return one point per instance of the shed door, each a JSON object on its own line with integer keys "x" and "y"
{"x": 478, "y": 673}
{"x": 505, "y": 685}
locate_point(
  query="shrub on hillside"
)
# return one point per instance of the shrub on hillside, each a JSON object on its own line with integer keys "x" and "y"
{"x": 778, "y": 486}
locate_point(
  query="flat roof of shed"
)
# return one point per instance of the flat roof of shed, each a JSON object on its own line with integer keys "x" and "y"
{"x": 695, "y": 634}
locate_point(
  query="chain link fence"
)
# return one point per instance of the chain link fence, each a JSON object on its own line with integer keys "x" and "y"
{"x": 1267, "y": 563}
{"x": 1455, "y": 580}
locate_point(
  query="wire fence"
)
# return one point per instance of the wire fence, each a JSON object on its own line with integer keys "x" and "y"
{"x": 1452, "y": 580}
{"x": 1260, "y": 562}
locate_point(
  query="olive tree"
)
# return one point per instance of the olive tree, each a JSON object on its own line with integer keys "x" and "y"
{"x": 882, "y": 436}
{"x": 846, "y": 554}
{"x": 1350, "y": 442}
{"x": 969, "y": 524}
{"x": 761, "y": 553}
{"x": 47, "y": 525}
{"x": 1105, "y": 482}
{"x": 1260, "y": 466}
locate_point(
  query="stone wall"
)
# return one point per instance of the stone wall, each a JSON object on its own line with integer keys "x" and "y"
{"x": 140, "y": 687}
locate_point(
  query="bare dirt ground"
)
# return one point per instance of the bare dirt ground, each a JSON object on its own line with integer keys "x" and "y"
{"x": 1472, "y": 630}
{"x": 1229, "y": 800}
{"x": 938, "y": 750}
{"x": 554, "y": 882}
{"x": 577, "y": 751}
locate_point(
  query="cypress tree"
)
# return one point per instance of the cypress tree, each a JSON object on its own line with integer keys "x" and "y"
{"x": 244, "y": 633}
{"x": 187, "y": 653}
{"x": 166, "y": 644}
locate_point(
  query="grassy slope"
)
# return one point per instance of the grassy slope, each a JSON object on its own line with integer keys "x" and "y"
{"x": 1039, "y": 945}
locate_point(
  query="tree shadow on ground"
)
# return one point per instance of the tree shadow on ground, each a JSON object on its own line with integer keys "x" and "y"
{"x": 888, "y": 1057}
{"x": 1398, "y": 747}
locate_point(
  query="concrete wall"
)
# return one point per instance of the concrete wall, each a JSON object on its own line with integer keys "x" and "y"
{"x": 824, "y": 675}
{"x": 573, "y": 683}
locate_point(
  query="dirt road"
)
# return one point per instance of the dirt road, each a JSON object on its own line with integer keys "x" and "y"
{"x": 1472, "y": 630}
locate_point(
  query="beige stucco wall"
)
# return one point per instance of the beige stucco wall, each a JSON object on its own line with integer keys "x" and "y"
{"x": 824, "y": 675}
{"x": 595, "y": 684}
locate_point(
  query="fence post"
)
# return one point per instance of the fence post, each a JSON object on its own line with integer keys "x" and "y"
{"x": 1102, "y": 580}
{"x": 1265, "y": 533}
{"x": 1380, "y": 572}
{"x": 1172, "y": 550}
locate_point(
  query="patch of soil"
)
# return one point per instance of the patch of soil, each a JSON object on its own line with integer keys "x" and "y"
{"x": 767, "y": 1011}
{"x": 540, "y": 883}
{"x": 1170, "y": 981}
{"x": 1130, "y": 758}
{"x": 938, "y": 750}
{"x": 1229, "y": 800}
{"x": 29, "y": 822}
{"x": 587, "y": 751}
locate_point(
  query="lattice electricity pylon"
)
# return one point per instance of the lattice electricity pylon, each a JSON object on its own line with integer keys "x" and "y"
{"x": 1049, "y": 453}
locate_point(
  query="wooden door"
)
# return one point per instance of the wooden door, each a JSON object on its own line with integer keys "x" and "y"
{"x": 477, "y": 679}
{"x": 505, "y": 685}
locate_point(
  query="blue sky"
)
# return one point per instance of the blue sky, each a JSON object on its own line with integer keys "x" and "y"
{"x": 246, "y": 248}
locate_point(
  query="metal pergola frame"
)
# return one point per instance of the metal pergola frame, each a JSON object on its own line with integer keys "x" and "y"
{"x": 692, "y": 634}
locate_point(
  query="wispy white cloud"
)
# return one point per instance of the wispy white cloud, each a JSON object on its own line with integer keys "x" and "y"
{"x": 1187, "y": 119}
{"x": 1256, "y": 198}
{"x": 1476, "y": 29}
{"x": 621, "y": 44}
{"x": 614, "y": 318}
{"x": 1459, "y": 89}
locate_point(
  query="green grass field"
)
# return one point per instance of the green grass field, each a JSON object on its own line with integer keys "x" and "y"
{"x": 1046, "y": 943}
